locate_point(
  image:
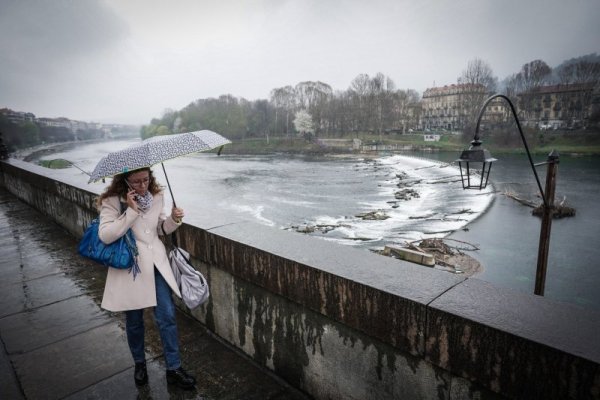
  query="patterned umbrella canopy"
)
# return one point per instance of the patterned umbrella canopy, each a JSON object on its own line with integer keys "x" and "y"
{"x": 155, "y": 150}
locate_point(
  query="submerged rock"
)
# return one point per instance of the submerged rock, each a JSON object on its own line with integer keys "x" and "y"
{"x": 378, "y": 215}
{"x": 323, "y": 228}
{"x": 406, "y": 194}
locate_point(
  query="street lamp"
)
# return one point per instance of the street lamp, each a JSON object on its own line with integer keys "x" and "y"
{"x": 480, "y": 158}
{"x": 477, "y": 163}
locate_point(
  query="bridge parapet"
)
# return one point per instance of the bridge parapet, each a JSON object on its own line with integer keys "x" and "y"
{"x": 343, "y": 323}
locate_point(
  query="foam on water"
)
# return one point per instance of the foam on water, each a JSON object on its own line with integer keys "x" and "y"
{"x": 442, "y": 206}
{"x": 255, "y": 211}
{"x": 286, "y": 192}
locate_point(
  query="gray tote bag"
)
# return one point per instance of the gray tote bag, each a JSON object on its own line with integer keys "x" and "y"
{"x": 192, "y": 284}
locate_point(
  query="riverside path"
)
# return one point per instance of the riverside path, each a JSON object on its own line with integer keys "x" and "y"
{"x": 57, "y": 343}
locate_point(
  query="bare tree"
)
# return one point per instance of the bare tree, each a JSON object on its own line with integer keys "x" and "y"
{"x": 313, "y": 96}
{"x": 381, "y": 90}
{"x": 511, "y": 86}
{"x": 580, "y": 72}
{"x": 284, "y": 98}
{"x": 359, "y": 92}
{"x": 478, "y": 81}
{"x": 533, "y": 75}
{"x": 309, "y": 93}
{"x": 585, "y": 75}
{"x": 479, "y": 72}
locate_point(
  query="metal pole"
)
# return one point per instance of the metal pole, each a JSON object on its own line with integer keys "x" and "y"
{"x": 548, "y": 208}
{"x": 168, "y": 184}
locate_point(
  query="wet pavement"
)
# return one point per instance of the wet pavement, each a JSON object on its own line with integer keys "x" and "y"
{"x": 58, "y": 343}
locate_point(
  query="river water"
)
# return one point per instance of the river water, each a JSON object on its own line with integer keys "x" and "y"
{"x": 330, "y": 194}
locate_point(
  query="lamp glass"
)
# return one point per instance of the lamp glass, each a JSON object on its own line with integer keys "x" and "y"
{"x": 475, "y": 165}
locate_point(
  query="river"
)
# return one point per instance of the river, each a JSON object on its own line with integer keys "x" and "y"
{"x": 329, "y": 194}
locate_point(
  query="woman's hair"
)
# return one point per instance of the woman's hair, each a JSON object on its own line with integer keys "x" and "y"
{"x": 118, "y": 186}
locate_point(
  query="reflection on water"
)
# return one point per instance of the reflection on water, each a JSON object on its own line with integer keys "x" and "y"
{"x": 295, "y": 192}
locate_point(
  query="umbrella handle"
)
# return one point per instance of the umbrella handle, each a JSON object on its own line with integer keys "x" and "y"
{"x": 168, "y": 184}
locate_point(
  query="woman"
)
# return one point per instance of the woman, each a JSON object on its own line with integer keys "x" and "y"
{"x": 141, "y": 198}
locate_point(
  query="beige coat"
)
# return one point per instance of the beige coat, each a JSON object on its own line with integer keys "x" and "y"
{"x": 121, "y": 292}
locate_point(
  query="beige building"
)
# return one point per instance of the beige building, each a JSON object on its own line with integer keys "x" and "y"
{"x": 449, "y": 107}
{"x": 452, "y": 107}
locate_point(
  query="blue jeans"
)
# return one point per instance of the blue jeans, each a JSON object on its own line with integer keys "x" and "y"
{"x": 164, "y": 315}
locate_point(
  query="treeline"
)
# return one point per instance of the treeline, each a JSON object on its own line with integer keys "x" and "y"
{"x": 26, "y": 134}
{"x": 370, "y": 104}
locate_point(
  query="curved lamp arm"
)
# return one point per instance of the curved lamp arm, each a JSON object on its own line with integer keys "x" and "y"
{"x": 512, "y": 107}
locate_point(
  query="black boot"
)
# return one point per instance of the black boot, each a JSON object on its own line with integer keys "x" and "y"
{"x": 140, "y": 375}
{"x": 180, "y": 378}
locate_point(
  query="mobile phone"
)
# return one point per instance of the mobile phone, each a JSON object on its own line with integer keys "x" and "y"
{"x": 136, "y": 196}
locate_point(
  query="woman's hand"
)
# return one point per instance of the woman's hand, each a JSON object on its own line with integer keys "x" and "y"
{"x": 177, "y": 214}
{"x": 131, "y": 200}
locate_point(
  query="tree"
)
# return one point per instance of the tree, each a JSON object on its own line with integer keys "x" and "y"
{"x": 580, "y": 72}
{"x": 168, "y": 118}
{"x": 359, "y": 92}
{"x": 303, "y": 123}
{"x": 284, "y": 99}
{"x": 381, "y": 90}
{"x": 313, "y": 97}
{"x": 163, "y": 130}
{"x": 533, "y": 75}
{"x": 583, "y": 72}
{"x": 584, "y": 69}
{"x": 511, "y": 86}
{"x": 147, "y": 131}
{"x": 369, "y": 104}
{"x": 373, "y": 102}
{"x": 477, "y": 74}
{"x": 30, "y": 133}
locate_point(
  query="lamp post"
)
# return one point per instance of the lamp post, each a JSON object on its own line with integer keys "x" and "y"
{"x": 478, "y": 159}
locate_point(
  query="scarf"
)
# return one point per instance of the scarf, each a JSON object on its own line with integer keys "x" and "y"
{"x": 144, "y": 202}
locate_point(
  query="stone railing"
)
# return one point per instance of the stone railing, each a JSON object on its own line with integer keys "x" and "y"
{"x": 343, "y": 323}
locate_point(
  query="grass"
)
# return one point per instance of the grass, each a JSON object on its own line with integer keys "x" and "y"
{"x": 55, "y": 164}
{"x": 538, "y": 142}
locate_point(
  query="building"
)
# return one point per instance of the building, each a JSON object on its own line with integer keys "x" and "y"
{"x": 450, "y": 107}
{"x": 17, "y": 117}
{"x": 557, "y": 106}
{"x": 496, "y": 113}
{"x": 55, "y": 122}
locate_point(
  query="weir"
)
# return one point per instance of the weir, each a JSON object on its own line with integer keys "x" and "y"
{"x": 343, "y": 323}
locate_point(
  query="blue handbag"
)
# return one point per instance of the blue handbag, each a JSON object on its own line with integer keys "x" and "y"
{"x": 120, "y": 254}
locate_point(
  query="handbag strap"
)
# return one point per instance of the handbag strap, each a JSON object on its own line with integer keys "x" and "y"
{"x": 173, "y": 242}
{"x": 173, "y": 236}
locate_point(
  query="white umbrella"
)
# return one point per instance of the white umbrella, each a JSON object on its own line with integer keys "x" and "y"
{"x": 155, "y": 150}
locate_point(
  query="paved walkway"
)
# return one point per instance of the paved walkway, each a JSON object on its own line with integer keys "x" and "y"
{"x": 58, "y": 343}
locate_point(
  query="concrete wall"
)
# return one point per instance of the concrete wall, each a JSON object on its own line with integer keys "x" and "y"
{"x": 342, "y": 323}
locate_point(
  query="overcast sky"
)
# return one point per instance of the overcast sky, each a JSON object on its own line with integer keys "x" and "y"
{"x": 127, "y": 61}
